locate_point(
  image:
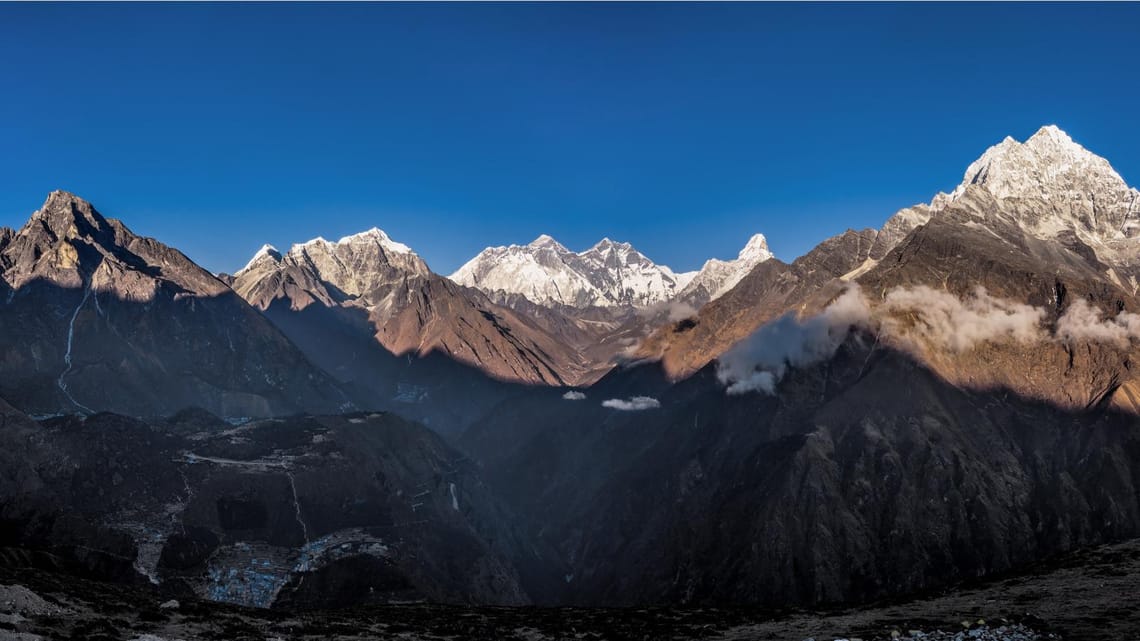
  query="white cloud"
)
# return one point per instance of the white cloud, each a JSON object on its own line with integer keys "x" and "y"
{"x": 943, "y": 321}
{"x": 915, "y": 318}
{"x": 1082, "y": 321}
{"x": 634, "y": 404}
{"x": 674, "y": 310}
{"x": 574, "y": 395}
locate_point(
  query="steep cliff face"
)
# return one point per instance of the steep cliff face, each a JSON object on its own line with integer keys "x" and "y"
{"x": 94, "y": 317}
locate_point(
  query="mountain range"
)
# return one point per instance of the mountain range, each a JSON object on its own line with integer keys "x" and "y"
{"x": 950, "y": 396}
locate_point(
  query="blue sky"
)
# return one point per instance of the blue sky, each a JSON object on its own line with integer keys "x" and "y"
{"x": 682, "y": 128}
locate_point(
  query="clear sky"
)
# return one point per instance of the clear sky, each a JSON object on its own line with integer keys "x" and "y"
{"x": 682, "y": 128}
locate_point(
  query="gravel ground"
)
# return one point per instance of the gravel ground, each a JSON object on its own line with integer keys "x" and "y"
{"x": 1089, "y": 596}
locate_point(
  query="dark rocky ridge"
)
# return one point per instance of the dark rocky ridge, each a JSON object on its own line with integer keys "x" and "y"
{"x": 293, "y": 513}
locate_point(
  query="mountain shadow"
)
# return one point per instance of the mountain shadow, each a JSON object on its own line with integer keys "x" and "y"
{"x": 863, "y": 477}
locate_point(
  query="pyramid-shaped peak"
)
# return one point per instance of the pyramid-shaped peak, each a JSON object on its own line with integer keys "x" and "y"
{"x": 756, "y": 249}
{"x": 266, "y": 253}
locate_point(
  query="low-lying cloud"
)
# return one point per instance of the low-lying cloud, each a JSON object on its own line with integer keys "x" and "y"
{"x": 634, "y": 404}
{"x": 761, "y": 360}
{"x": 944, "y": 321}
{"x": 1083, "y": 322}
{"x": 573, "y": 395}
{"x": 674, "y": 310}
{"x": 915, "y": 317}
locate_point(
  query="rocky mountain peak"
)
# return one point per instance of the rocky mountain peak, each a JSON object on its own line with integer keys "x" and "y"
{"x": 69, "y": 243}
{"x": 1049, "y": 186}
{"x": 67, "y": 216}
{"x": 1049, "y": 166}
{"x": 354, "y": 266}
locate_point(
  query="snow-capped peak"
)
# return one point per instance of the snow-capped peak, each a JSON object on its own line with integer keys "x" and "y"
{"x": 756, "y": 250}
{"x": 1049, "y": 165}
{"x": 1049, "y": 185}
{"x": 267, "y": 252}
{"x": 607, "y": 274}
{"x": 355, "y": 265}
{"x": 718, "y": 276}
{"x": 376, "y": 235}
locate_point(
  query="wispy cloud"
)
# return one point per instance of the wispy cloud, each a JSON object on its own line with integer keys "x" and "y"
{"x": 944, "y": 321}
{"x": 1083, "y": 322}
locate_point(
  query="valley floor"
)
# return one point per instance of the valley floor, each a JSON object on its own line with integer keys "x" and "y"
{"x": 1091, "y": 595}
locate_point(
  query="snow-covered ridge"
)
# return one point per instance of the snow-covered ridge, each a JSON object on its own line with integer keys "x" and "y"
{"x": 356, "y": 244}
{"x": 546, "y": 272}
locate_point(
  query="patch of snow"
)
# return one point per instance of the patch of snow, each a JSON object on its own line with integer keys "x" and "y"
{"x": 67, "y": 354}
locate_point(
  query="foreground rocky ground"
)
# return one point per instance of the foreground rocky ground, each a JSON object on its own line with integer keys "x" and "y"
{"x": 1086, "y": 596}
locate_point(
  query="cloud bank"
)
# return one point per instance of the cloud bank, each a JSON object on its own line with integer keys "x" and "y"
{"x": 634, "y": 404}
{"x": 917, "y": 317}
{"x": 573, "y": 395}
{"x": 943, "y": 321}
{"x": 1083, "y": 322}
